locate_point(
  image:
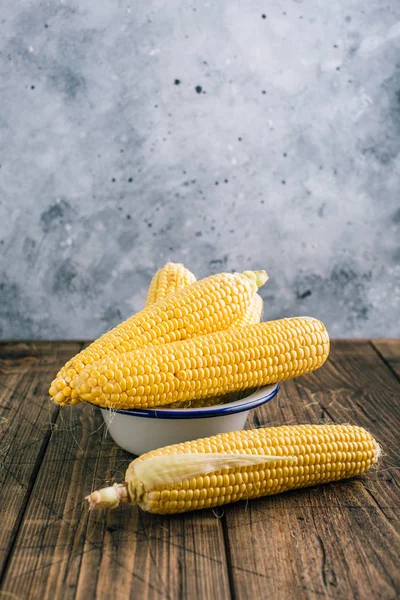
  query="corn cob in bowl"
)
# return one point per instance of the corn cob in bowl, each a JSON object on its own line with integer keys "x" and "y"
{"x": 211, "y": 304}
{"x": 173, "y": 277}
{"x": 206, "y": 366}
{"x": 167, "y": 281}
{"x": 241, "y": 465}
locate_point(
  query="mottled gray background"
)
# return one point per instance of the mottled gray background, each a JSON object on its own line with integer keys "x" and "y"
{"x": 227, "y": 135}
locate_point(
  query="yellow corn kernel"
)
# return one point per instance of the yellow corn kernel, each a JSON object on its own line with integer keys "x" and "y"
{"x": 241, "y": 465}
{"x": 253, "y": 314}
{"x": 168, "y": 280}
{"x": 258, "y": 359}
{"x": 211, "y": 304}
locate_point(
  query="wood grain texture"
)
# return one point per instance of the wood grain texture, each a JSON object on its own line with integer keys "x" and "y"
{"x": 26, "y": 422}
{"x": 333, "y": 541}
{"x": 161, "y": 557}
{"x": 63, "y": 551}
{"x": 389, "y": 350}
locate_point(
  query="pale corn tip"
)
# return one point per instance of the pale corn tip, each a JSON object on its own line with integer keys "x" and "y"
{"x": 259, "y": 277}
{"x": 93, "y": 499}
{"x": 109, "y": 497}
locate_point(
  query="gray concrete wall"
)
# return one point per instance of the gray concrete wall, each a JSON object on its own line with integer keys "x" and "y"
{"x": 227, "y": 135}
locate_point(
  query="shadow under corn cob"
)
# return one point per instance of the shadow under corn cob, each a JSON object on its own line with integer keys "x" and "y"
{"x": 241, "y": 465}
{"x": 211, "y": 304}
{"x": 210, "y": 365}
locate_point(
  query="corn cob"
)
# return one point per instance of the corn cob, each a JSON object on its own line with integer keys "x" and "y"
{"x": 210, "y": 304}
{"x": 175, "y": 276}
{"x": 241, "y": 465}
{"x": 206, "y": 366}
{"x": 168, "y": 280}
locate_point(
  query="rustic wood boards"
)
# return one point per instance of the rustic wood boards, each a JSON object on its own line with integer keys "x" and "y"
{"x": 334, "y": 541}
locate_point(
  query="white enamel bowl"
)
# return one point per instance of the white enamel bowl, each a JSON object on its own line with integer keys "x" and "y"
{"x": 141, "y": 430}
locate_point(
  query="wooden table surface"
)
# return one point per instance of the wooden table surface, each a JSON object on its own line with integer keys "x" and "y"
{"x": 335, "y": 541}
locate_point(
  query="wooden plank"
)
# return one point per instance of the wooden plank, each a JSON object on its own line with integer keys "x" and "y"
{"x": 334, "y": 541}
{"x": 26, "y": 421}
{"x": 142, "y": 555}
{"x": 390, "y": 352}
{"x": 62, "y": 551}
{"x": 48, "y": 551}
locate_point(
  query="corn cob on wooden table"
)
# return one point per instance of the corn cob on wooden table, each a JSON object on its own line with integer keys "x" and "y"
{"x": 335, "y": 541}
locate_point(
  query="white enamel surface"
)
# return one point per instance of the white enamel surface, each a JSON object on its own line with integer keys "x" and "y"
{"x": 138, "y": 435}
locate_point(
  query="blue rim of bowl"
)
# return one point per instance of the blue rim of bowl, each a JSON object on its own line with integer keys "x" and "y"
{"x": 201, "y": 413}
